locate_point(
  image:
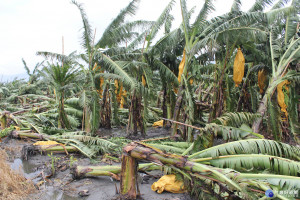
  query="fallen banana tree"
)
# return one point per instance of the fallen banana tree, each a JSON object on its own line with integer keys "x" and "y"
{"x": 278, "y": 158}
{"x": 114, "y": 171}
{"x": 56, "y": 148}
{"x": 33, "y": 149}
{"x": 242, "y": 185}
{"x": 244, "y": 155}
{"x": 69, "y": 142}
{"x": 28, "y": 134}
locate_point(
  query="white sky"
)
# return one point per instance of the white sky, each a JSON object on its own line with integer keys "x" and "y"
{"x": 28, "y": 26}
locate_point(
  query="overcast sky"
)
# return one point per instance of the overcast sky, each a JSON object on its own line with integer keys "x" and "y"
{"x": 28, "y": 26}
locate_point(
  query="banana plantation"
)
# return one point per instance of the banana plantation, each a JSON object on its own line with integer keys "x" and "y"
{"x": 220, "y": 93}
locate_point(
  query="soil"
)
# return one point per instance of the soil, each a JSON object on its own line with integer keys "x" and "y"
{"x": 61, "y": 186}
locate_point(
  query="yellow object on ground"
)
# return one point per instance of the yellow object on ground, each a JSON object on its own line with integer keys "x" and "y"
{"x": 238, "y": 67}
{"x": 17, "y": 128}
{"x": 159, "y": 123}
{"x": 280, "y": 96}
{"x": 42, "y": 143}
{"x": 181, "y": 67}
{"x": 168, "y": 183}
{"x": 261, "y": 77}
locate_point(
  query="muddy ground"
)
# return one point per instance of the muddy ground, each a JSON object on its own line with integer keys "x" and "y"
{"x": 63, "y": 187}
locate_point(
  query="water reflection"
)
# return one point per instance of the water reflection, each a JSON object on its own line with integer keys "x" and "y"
{"x": 28, "y": 170}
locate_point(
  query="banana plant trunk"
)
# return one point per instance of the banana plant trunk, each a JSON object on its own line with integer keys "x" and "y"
{"x": 181, "y": 91}
{"x": 114, "y": 171}
{"x": 136, "y": 119}
{"x": 164, "y": 105}
{"x": 3, "y": 121}
{"x": 86, "y": 124}
{"x": 142, "y": 151}
{"x": 106, "y": 110}
{"x": 262, "y": 109}
{"x": 129, "y": 185}
{"x": 263, "y": 106}
{"x": 177, "y": 108}
{"x": 63, "y": 121}
{"x": 28, "y": 150}
{"x": 26, "y": 134}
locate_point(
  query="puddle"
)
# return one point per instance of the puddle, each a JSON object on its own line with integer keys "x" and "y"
{"x": 28, "y": 170}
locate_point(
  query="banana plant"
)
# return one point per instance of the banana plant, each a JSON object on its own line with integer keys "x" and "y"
{"x": 94, "y": 58}
{"x": 138, "y": 64}
{"x": 285, "y": 53}
{"x": 61, "y": 78}
{"x": 33, "y": 76}
{"x": 143, "y": 71}
{"x": 191, "y": 38}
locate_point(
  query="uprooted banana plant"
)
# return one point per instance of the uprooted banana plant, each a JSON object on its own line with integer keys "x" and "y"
{"x": 69, "y": 142}
{"x": 232, "y": 167}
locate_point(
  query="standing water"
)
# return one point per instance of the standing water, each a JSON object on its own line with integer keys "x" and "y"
{"x": 30, "y": 171}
